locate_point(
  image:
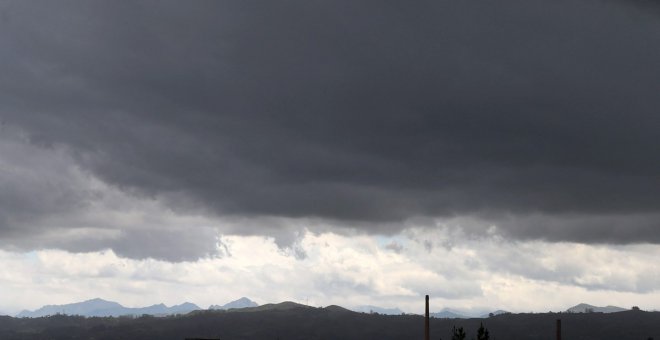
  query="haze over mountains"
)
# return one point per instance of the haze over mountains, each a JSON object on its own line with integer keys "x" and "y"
{"x": 376, "y": 309}
{"x": 102, "y": 308}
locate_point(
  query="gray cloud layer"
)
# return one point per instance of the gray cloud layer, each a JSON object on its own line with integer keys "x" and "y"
{"x": 539, "y": 115}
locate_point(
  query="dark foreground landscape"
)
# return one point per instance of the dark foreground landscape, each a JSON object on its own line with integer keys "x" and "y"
{"x": 292, "y": 321}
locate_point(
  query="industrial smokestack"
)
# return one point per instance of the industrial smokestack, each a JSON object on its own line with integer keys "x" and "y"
{"x": 427, "y": 335}
{"x": 558, "y": 329}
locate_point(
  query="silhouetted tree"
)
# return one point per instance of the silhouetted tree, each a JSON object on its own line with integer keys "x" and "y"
{"x": 457, "y": 333}
{"x": 482, "y": 333}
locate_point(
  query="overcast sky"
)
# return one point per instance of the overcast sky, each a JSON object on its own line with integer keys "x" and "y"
{"x": 494, "y": 154}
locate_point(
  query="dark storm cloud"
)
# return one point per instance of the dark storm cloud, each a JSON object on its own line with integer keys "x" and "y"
{"x": 369, "y": 112}
{"x": 48, "y": 202}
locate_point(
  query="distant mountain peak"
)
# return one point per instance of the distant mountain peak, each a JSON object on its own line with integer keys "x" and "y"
{"x": 243, "y": 302}
{"x": 587, "y": 308}
{"x": 187, "y": 304}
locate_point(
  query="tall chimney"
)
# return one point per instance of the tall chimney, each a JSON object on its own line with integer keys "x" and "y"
{"x": 558, "y": 329}
{"x": 427, "y": 335}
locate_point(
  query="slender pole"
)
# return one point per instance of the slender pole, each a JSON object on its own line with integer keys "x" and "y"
{"x": 558, "y": 329}
{"x": 427, "y": 335}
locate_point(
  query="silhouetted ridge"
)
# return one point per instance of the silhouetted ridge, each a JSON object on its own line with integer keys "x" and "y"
{"x": 337, "y": 309}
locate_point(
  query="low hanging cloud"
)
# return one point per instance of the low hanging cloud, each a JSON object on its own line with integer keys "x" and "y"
{"x": 536, "y": 116}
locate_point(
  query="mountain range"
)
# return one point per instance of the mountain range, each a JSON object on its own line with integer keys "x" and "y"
{"x": 289, "y": 320}
{"x": 101, "y": 308}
